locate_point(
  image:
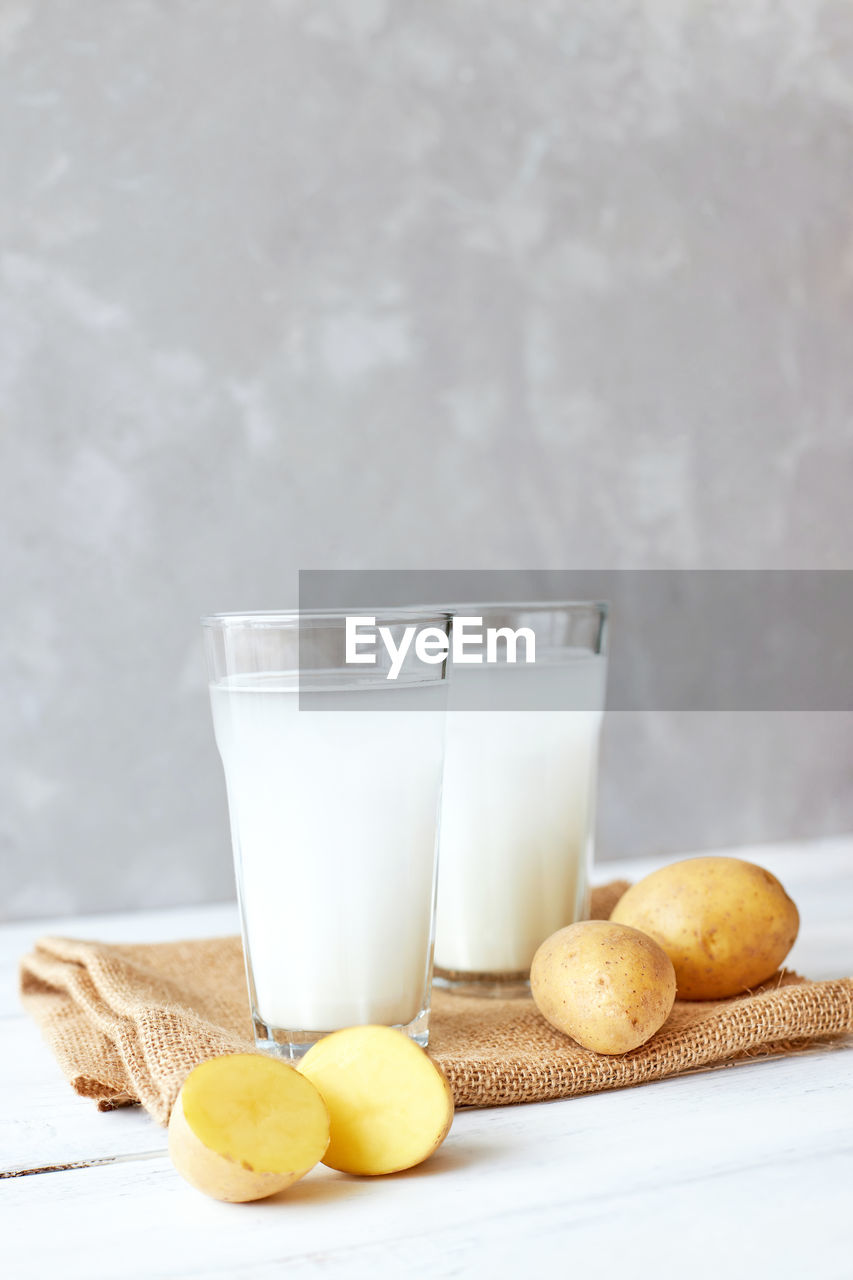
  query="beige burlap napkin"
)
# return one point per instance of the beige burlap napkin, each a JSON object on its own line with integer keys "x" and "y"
{"x": 127, "y": 1023}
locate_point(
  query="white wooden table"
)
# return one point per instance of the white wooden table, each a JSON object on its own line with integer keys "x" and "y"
{"x": 746, "y": 1171}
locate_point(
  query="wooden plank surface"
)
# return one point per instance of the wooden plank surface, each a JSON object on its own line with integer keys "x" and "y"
{"x": 745, "y": 1170}
{"x": 719, "y": 1160}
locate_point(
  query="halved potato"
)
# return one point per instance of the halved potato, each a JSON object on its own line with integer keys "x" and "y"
{"x": 245, "y": 1126}
{"x": 390, "y": 1107}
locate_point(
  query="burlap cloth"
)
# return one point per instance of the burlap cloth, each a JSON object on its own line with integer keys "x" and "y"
{"x": 127, "y": 1023}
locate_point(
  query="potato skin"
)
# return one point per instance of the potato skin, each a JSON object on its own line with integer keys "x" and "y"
{"x": 725, "y": 924}
{"x": 606, "y": 985}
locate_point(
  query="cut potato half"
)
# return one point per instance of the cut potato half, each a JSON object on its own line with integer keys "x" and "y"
{"x": 245, "y": 1126}
{"x": 389, "y": 1105}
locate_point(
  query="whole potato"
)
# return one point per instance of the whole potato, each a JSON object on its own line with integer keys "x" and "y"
{"x": 608, "y": 986}
{"x": 725, "y": 924}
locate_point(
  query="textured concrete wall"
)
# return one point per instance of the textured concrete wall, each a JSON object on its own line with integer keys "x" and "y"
{"x": 306, "y": 284}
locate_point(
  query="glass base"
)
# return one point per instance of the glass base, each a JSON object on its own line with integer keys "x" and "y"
{"x": 497, "y": 986}
{"x": 293, "y": 1045}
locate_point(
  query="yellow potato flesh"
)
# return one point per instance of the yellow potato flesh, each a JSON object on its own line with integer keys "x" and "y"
{"x": 607, "y": 986}
{"x": 246, "y": 1126}
{"x": 726, "y": 924}
{"x": 390, "y": 1107}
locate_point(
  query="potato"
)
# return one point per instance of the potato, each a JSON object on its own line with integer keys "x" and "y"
{"x": 246, "y": 1126}
{"x": 390, "y": 1106}
{"x": 725, "y": 924}
{"x": 607, "y": 986}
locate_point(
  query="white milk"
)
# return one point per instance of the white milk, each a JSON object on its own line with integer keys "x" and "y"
{"x": 516, "y": 816}
{"x": 333, "y": 822}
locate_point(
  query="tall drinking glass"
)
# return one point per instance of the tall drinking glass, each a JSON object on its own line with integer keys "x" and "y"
{"x": 519, "y": 794}
{"x": 333, "y": 774}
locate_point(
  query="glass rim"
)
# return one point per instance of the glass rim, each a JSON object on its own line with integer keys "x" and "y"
{"x": 292, "y": 618}
{"x": 601, "y": 607}
{"x": 288, "y": 617}
{"x": 597, "y": 609}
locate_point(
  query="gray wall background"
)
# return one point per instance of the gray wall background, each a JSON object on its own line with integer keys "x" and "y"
{"x": 490, "y": 285}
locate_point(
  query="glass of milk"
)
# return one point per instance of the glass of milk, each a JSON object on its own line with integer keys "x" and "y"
{"x": 518, "y": 799}
{"x": 333, "y": 774}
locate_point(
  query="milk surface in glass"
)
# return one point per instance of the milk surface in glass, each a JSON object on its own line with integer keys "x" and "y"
{"x": 517, "y": 808}
{"x": 333, "y": 823}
